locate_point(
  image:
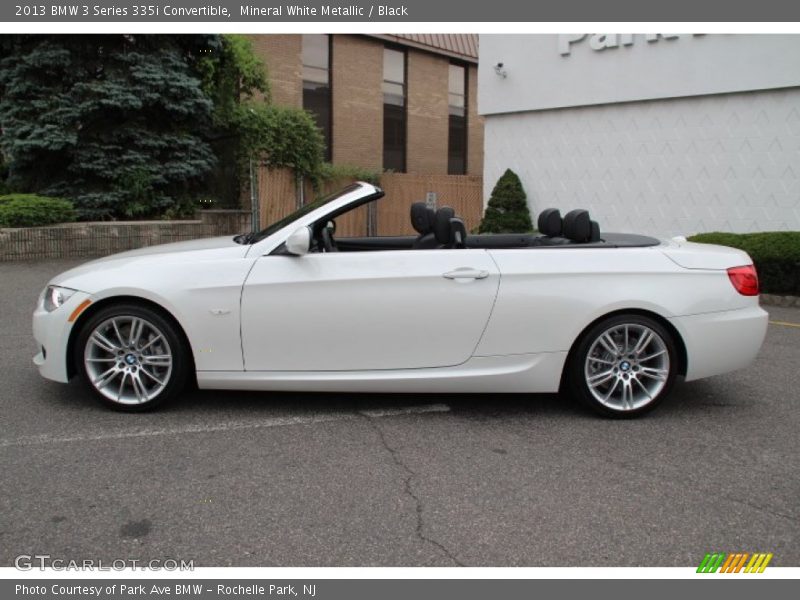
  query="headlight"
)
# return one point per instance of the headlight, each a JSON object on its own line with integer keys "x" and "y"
{"x": 55, "y": 296}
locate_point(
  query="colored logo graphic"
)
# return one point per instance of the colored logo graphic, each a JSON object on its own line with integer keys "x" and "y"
{"x": 735, "y": 563}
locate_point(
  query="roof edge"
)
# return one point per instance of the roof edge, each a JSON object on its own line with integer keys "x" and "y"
{"x": 401, "y": 41}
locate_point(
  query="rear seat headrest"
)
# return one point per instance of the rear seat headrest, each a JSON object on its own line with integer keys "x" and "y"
{"x": 578, "y": 225}
{"x": 458, "y": 233}
{"x": 441, "y": 226}
{"x": 595, "y": 232}
{"x": 422, "y": 218}
{"x": 550, "y": 222}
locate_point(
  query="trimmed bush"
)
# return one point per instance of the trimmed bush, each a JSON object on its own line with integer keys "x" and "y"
{"x": 776, "y": 255}
{"x": 29, "y": 210}
{"x": 507, "y": 211}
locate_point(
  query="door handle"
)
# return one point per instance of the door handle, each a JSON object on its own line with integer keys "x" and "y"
{"x": 466, "y": 273}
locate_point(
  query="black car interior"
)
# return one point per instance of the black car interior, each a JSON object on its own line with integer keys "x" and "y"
{"x": 443, "y": 229}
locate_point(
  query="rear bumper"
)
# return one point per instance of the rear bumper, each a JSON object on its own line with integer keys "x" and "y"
{"x": 721, "y": 342}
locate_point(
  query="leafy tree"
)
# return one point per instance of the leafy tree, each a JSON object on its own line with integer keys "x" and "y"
{"x": 280, "y": 136}
{"x": 232, "y": 76}
{"x": 507, "y": 211}
{"x": 114, "y": 122}
{"x": 247, "y": 126}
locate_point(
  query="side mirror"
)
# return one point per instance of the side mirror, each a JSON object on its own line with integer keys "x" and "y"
{"x": 299, "y": 242}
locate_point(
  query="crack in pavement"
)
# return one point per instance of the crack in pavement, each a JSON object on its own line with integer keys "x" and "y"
{"x": 409, "y": 490}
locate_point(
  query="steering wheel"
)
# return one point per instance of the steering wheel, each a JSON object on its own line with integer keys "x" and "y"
{"x": 328, "y": 245}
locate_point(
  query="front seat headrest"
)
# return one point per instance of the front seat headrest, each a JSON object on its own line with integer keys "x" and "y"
{"x": 578, "y": 226}
{"x": 441, "y": 226}
{"x": 422, "y": 218}
{"x": 550, "y": 222}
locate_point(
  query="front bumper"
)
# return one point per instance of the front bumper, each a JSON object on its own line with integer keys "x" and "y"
{"x": 721, "y": 342}
{"x": 51, "y": 331}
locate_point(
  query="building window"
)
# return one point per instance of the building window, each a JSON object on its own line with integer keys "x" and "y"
{"x": 457, "y": 130}
{"x": 317, "y": 83}
{"x": 394, "y": 110}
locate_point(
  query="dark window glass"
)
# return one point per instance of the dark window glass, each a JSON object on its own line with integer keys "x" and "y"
{"x": 317, "y": 84}
{"x": 394, "y": 110}
{"x": 457, "y": 130}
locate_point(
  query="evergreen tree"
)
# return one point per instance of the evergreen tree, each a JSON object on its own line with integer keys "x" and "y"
{"x": 113, "y": 122}
{"x": 507, "y": 211}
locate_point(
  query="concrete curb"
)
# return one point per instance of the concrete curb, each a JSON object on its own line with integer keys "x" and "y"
{"x": 775, "y": 300}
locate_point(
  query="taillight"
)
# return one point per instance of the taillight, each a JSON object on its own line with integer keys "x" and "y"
{"x": 744, "y": 279}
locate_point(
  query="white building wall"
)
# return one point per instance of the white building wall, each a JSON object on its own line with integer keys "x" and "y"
{"x": 724, "y": 162}
{"x": 662, "y": 133}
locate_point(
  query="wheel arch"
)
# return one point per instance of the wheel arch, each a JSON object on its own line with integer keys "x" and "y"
{"x": 93, "y": 308}
{"x": 683, "y": 360}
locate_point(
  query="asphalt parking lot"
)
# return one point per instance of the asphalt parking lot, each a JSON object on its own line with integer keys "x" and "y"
{"x": 247, "y": 479}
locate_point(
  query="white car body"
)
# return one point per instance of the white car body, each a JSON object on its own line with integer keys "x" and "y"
{"x": 389, "y": 321}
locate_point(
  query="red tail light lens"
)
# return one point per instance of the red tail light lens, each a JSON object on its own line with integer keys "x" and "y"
{"x": 744, "y": 279}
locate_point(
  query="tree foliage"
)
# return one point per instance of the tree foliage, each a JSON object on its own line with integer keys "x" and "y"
{"x": 136, "y": 126}
{"x": 507, "y": 210}
{"x": 233, "y": 75}
{"x": 280, "y": 136}
{"x": 113, "y": 122}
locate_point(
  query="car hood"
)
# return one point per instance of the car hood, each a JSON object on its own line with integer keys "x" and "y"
{"x": 187, "y": 246}
{"x": 192, "y": 250}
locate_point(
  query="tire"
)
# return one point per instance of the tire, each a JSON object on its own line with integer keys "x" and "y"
{"x": 618, "y": 378}
{"x": 131, "y": 357}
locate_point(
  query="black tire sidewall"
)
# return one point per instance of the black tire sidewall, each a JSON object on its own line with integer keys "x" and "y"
{"x": 180, "y": 365}
{"x": 576, "y": 382}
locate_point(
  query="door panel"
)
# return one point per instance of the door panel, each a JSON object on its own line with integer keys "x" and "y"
{"x": 344, "y": 311}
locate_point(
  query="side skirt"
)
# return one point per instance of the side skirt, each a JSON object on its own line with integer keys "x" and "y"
{"x": 519, "y": 373}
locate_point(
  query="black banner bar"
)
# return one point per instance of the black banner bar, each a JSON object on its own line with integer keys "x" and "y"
{"x": 420, "y": 589}
{"x": 264, "y": 11}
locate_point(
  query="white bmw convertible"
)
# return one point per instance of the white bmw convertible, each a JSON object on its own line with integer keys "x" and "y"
{"x": 611, "y": 319}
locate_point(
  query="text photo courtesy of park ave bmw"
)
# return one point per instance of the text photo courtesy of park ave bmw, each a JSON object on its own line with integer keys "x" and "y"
{"x": 310, "y": 301}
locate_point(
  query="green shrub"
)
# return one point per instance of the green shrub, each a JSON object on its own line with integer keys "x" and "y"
{"x": 776, "y": 255}
{"x": 29, "y": 210}
{"x": 507, "y": 211}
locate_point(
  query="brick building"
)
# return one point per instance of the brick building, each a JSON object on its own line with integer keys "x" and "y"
{"x": 405, "y": 103}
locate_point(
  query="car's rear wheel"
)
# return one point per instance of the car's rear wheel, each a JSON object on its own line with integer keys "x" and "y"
{"x": 131, "y": 357}
{"x": 623, "y": 366}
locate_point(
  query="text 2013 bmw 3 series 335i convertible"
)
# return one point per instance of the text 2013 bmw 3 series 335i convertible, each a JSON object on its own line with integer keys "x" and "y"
{"x": 610, "y": 319}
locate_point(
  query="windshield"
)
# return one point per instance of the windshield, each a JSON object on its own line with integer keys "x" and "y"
{"x": 300, "y": 212}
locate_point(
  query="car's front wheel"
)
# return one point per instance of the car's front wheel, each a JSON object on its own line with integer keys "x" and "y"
{"x": 131, "y": 357}
{"x": 623, "y": 366}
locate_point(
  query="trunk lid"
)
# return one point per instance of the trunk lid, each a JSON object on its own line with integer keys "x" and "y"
{"x": 690, "y": 255}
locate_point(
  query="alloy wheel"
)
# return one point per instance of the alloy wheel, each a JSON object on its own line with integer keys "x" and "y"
{"x": 627, "y": 366}
{"x": 128, "y": 359}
